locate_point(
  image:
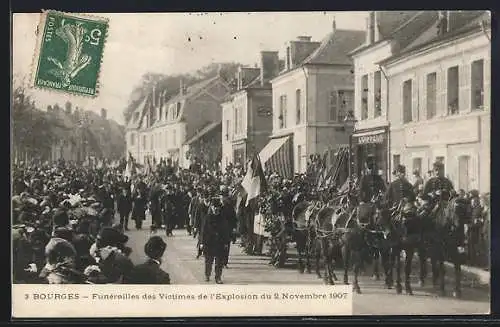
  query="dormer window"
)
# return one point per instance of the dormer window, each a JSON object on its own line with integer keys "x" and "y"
{"x": 177, "y": 110}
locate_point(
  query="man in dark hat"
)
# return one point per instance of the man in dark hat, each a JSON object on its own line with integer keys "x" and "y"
{"x": 150, "y": 272}
{"x": 399, "y": 189}
{"x": 139, "y": 207}
{"x": 439, "y": 183}
{"x": 371, "y": 184}
{"x": 214, "y": 240}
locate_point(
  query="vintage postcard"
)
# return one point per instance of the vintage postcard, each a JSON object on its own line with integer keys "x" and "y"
{"x": 251, "y": 164}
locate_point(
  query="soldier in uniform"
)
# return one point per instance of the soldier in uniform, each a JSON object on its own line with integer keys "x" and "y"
{"x": 399, "y": 189}
{"x": 438, "y": 183}
{"x": 214, "y": 240}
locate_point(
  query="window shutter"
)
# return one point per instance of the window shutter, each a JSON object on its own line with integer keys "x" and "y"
{"x": 464, "y": 88}
{"x": 414, "y": 99}
{"x": 442, "y": 105}
{"x": 371, "y": 91}
{"x": 383, "y": 97}
{"x": 487, "y": 83}
{"x": 423, "y": 98}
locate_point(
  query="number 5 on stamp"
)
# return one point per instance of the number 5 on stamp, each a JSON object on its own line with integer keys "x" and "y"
{"x": 69, "y": 53}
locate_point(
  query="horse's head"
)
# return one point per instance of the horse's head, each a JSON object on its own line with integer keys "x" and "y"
{"x": 365, "y": 214}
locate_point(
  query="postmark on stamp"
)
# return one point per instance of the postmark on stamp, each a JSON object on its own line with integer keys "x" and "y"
{"x": 69, "y": 53}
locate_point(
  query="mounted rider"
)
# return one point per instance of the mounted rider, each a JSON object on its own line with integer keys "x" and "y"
{"x": 438, "y": 187}
{"x": 400, "y": 190}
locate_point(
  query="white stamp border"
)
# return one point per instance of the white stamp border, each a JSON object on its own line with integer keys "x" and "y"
{"x": 40, "y": 29}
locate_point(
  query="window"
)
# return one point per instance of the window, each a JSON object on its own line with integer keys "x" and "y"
{"x": 477, "y": 84}
{"x": 377, "y": 95}
{"x": 333, "y": 103}
{"x": 440, "y": 159}
{"x": 417, "y": 164}
{"x": 463, "y": 172}
{"x": 283, "y": 112}
{"x": 346, "y": 103}
{"x": 174, "y": 138}
{"x": 132, "y": 139}
{"x": 298, "y": 105}
{"x": 160, "y": 116}
{"x": 452, "y": 90}
{"x": 431, "y": 95}
{"x": 364, "y": 97}
{"x": 407, "y": 101}
{"x": 151, "y": 141}
{"x": 144, "y": 142}
{"x": 227, "y": 129}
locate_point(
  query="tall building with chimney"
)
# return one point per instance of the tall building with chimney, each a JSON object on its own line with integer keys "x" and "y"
{"x": 247, "y": 111}
{"x": 311, "y": 96}
{"x": 166, "y": 128}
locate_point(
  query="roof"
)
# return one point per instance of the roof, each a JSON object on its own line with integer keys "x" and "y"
{"x": 400, "y": 26}
{"x": 135, "y": 123}
{"x": 334, "y": 48}
{"x": 462, "y": 24}
{"x": 205, "y": 130}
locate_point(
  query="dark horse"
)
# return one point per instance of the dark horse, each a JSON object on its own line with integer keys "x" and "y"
{"x": 402, "y": 231}
{"x": 447, "y": 241}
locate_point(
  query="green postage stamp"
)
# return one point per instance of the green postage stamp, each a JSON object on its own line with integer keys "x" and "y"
{"x": 69, "y": 52}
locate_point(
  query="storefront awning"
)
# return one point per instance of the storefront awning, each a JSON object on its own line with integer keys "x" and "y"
{"x": 276, "y": 156}
{"x": 370, "y": 137}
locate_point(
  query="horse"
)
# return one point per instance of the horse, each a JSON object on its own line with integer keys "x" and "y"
{"x": 402, "y": 230}
{"x": 447, "y": 243}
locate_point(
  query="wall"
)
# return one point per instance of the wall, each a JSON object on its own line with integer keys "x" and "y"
{"x": 365, "y": 63}
{"x": 259, "y": 126}
{"x": 316, "y": 133}
{"x": 450, "y": 136}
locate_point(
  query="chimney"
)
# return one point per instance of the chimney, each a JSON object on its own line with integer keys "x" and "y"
{"x": 376, "y": 32}
{"x": 104, "y": 114}
{"x": 240, "y": 76}
{"x": 370, "y": 28}
{"x": 181, "y": 87}
{"x": 443, "y": 25}
{"x": 304, "y": 38}
{"x": 269, "y": 66}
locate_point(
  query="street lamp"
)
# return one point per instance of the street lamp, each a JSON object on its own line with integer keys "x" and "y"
{"x": 349, "y": 124}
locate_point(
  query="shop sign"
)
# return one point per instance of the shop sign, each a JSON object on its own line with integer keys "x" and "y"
{"x": 367, "y": 139}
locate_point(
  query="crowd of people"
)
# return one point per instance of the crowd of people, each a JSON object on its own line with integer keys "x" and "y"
{"x": 64, "y": 227}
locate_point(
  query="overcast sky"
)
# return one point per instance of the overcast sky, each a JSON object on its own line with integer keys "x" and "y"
{"x": 157, "y": 42}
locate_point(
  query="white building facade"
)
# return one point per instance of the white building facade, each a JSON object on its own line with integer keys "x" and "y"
{"x": 440, "y": 106}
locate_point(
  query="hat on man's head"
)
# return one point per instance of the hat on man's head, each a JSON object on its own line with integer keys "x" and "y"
{"x": 155, "y": 247}
{"x": 400, "y": 169}
{"x": 109, "y": 236}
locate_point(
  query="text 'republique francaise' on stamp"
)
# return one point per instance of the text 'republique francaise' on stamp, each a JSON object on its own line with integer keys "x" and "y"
{"x": 69, "y": 52}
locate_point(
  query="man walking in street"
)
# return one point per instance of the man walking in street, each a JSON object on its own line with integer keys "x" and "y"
{"x": 214, "y": 240}
{"x": 124, "y": 205}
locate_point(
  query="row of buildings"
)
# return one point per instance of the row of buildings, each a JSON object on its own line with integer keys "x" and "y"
{"x": 415, "y": 86}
